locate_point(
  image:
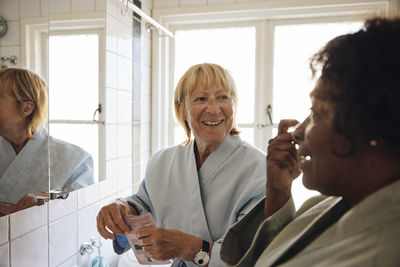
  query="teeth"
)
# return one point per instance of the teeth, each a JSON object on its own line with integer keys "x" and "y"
{"x": 304, "y": 158}
{"x": 212, "y": 123}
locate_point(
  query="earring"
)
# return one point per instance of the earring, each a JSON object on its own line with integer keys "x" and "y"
{"x": 373, "y": 143}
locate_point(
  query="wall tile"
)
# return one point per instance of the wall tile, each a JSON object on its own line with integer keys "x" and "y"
{"x": 111, "y": 33}
{"x": 145, "y": 109}
{"x": 124, "y": 74}
{"x": 44, "y": 8}
{"x": 63, "y": 239}
{"x": 125, "y": 40}
{"x": 136, "y": 154}
{"x": 144, "y": 158}
{"x": 59, "y": 7}
{"x": 124, "y": 107}
{"x": 146, "y": 80}
{"x": 36, "y": 216}
{"x": 124, "y": 140}
{"x": 136, "y": 112}
{"x": 145, "y": 136}
{"x": 12, "y": 36}
{"x": 111, "y": 69}
{"x": 111, "y": 105}
{"x": 4, "y": 255}
{"x": 31, "y": 249}
{"x": 9, "y": 9}
{"x": 101, "y": 5}
{"x": 193, "y": 3}
{"x": 87, "y": 223}
{"x": 88, "y": 195}
{"x": 136, "y": 134}
{"x": 147, "y": 3}
{"x": 29, "y": 8}
{"x": 79, "y": 6}
{"x": 123, "y": 16}
{"x": 146, "y": 51}
{"x": 124, "y": 173}
{"x": 136, "y": 178}
{"x": 165, "y": 3}
{"x": 71, "y": 262}
{"x": 108, "y": 186}
{"x": 59, "y": 208}
{"x": 111, "y": 142}
{"x": 212, "y": 2}
{"x": 9, "y": 51}
{"x": 113, "y": 7}
{"x": 4, "y": 229}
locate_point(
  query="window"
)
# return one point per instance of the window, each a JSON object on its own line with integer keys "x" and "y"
{"x": 73, "y": 51}
{"x": 74, "y": 90}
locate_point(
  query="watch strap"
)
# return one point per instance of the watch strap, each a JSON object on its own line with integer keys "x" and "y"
{"x": 206, "y": 246}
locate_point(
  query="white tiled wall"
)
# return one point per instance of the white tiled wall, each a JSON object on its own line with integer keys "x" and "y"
{"x": 51, "y": 235}
{"x": 183, "y": 3}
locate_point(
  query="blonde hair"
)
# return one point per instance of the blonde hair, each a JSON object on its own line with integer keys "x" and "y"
{"x": 24, "y": 85}
{"x": 207, "y": 74}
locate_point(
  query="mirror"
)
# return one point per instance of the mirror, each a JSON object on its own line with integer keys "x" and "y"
{"x": 36, "y": 43}
{"x": 17, "y": 177}
{"x": 76, "y": 52}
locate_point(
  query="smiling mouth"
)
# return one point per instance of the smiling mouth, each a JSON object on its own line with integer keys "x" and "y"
{"x": 212, "y": 123}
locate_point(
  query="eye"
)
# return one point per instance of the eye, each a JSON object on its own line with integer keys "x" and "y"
{"x": 199, "y": 99}
{"x": 223, "y": 97}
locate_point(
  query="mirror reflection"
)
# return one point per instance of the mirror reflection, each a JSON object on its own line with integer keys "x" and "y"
{"x": 55, "y": 151}
{"x": 26, "y": 145}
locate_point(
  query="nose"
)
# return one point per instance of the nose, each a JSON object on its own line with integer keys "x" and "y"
{"x": 298, "y": 133}
{"x": 213, "y": 105}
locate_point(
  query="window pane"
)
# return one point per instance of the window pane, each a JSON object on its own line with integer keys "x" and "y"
{"x": 74, "y": 76}
{"x": 82, "y": 135}
{"x": 233, "y": 48}
{"x": 293, "y": 46}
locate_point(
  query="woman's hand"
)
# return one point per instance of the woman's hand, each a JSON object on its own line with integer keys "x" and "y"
{"x": 112, "y": 217}
{"x": 30, "y": 200}
{"x": 164, "y": 244}
{"x": 282, "y": 168}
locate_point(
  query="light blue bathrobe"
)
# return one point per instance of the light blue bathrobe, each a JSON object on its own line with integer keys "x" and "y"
{"x": 70, "y": 167}
{"x": 205, "y": 203}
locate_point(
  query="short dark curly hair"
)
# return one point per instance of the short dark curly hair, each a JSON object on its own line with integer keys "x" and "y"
{"x": 362, "y": 71}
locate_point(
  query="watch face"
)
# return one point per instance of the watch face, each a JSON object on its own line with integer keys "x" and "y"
{"x": 202, "y": 258}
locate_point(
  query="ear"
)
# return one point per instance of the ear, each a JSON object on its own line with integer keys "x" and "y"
{"x": 342, "y": 146}
{"x": 27, "y": 108}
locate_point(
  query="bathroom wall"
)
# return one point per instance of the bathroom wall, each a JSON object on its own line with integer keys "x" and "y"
{"x": 184, "y": 3}
{"x": 13, "y": 11}
{"x": 50, "y": 235}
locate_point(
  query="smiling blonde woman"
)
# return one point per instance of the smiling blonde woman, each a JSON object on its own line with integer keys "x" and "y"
{"x": 197, "y": 190}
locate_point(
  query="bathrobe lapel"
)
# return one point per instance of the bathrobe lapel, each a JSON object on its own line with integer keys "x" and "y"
{"x": 14, "y": 172}
{"x": 198, "y": 215}
{"x": 305, "y": 237}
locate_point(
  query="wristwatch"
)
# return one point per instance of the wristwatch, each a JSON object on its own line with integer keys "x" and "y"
{"x": 202, "y": 258}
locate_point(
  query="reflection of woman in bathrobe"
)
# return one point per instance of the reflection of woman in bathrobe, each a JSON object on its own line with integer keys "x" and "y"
{"x": 25, "y": 144}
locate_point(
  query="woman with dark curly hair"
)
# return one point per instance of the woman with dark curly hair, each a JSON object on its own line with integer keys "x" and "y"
{"x": 349, "y": 150}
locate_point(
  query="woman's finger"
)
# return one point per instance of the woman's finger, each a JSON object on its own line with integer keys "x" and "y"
{"x": 101, "y": 228}
{"x": 284, "y": 125}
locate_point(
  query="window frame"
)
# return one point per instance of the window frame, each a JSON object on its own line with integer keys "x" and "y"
{"x": 35, "y": 37}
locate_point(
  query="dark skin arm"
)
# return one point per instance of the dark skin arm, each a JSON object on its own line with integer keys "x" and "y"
{"x": 282, "y": 168}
